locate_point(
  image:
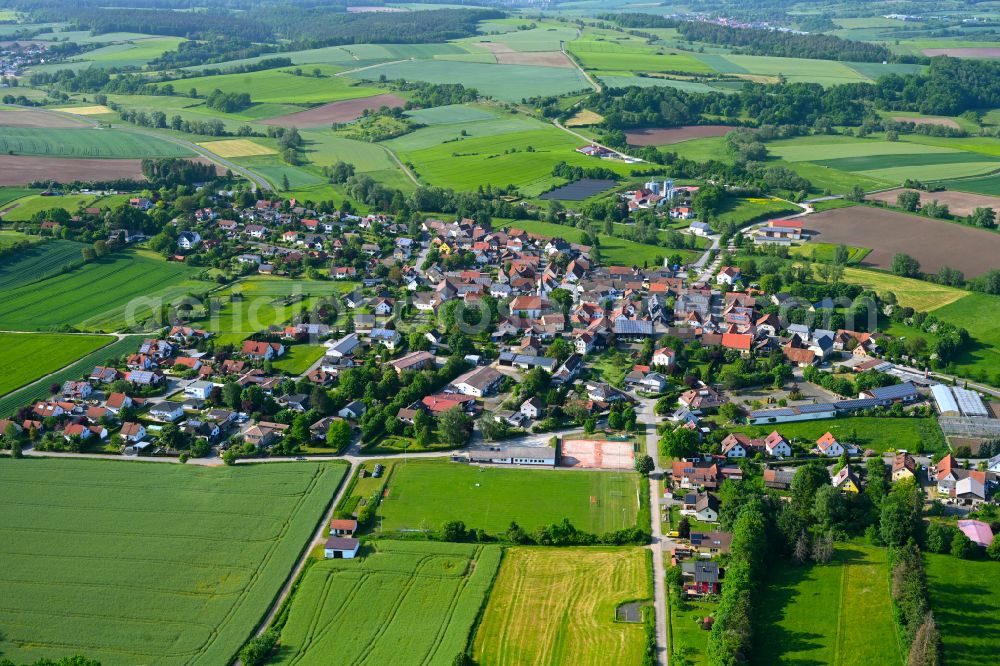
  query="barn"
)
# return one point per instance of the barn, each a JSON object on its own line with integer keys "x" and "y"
{"x": 341, "y": 548}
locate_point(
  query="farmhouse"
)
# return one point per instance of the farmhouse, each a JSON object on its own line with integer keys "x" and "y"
{"x": 343, "y": 527}
{"x": 337, "y": 548}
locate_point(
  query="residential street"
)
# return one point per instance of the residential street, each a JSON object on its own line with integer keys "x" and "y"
{"x": 647, "y": 416}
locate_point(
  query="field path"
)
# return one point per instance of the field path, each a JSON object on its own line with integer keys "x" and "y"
{"x": 648, "y": 416}
{"x": 348, "y": 72}
{"x": 592, "y": 142}
{"x": 406, "y": 169}
{"x": 562, "y": 47}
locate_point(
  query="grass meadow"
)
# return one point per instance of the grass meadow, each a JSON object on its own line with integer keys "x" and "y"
{"x": 615, "y": 251}
{"x": 976, "y": 313}
{"x": 404, "y": 602}
{"x": 168, "y": 564}
{"x": 86, "y": 142}
{"x": 98, "y": 293}
{"x": 687, "y": 636}
{"x": 79, "y": 370}
{"x": 298, "y": 358}
{"x": 130, "y": 54}
{"x": 424, "y": 494}
{"x": 557, "y": 606}
{"x": 881, "y": 434}
{"x": 282, "y": 85}
{"x": 23, "y": 209}
{"x": 30, "y": 356}
{"x": 9, "y": 194}
{"x": 989, "y": 185}
{"x": 916, "y": 294}
{"x": 263, "y": 301}
{"x": 965, "y": 598}
{"x": 838, "y": 613}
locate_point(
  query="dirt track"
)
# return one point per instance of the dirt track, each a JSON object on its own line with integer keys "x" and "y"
{"x": 934, "y": 243}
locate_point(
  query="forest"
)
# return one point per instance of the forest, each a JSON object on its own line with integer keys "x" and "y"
{"x": 764, "y": 42}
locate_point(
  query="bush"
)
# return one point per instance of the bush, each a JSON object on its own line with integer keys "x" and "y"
{"x": 257, "y": 649}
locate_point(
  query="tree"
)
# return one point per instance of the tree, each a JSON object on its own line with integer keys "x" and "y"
{"x": 684, "y": 527}
{"x": 100, "y": 248}
{"x": 258, "y": 648}
{"x": 905, "y": 266}
{"x": 857, "y": 194}
{"x": 984, "y": 217}
{"x": 516, "y": 534}
{"x": 644, "y": 464}
{"x": 908, "y": 200}
{"x": 88, "y": 254}
{"x": 230, "y": 456}
{"x": 589, "y": 426}
{"x": 807, "y": 481}
{"x": 926, "y": 647}
{"x": 801, "y": 552}
{"x": 993, "y": 550}
{"x": 454, "y": 530}
{"x": 730, "y": 412}
{"x": 285, "y": 186}
{"x": 339, "y": 435}
{"x": 231, "y": 395}
{"x": 615, "y": 421}
{"x": 828, "y": 508}
{"x": 822, "y": 550}
{"x": 454, "y": 426}
{"x": 679, "y": 443}
{"x": 962, "y": 546}
{"x": 770, "y": 283}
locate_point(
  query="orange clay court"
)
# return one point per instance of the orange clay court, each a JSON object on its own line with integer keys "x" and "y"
{"x": 597, "y": 454}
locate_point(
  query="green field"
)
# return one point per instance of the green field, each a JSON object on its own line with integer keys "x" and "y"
{"x": 825, "y": 252}
{"x": 403, "y": 602}
{"x": 298, "y": 358}
{"x": 170, "y": 564}
{"x": 510, "y": 83}
{"x": 557, "y": 606}
{"x": 351, "y": 55}
{"x": 9, "y": 194}
{"x": 615, "y": 251}
{"x": 743, "y": 211}
{"x": 826, "y": 72}
{"x": 39, "y": 294}
{"x": 8, "y": 238}
{"x": 989, "y": 185}
{"x": 86, "y": 142}
{"x": 79, "y": 370}
{"x": 28, "y": 357}
{"x": 687, "y": 635}
{"x": 281, "y": 85}
{"x": 916, "y": 294}
{"x": 965, "y": 598}
{"x": 838, "y": 613}
{"x": 612, "y": 57}
{"x": 977, "y": 313}
{"x": 266, "y": 301}
{"x": 131, "y": 54}
{"x": 879, "y": 434}
{"x": 623, "y": 80}
{"x": 22, "y": 210}
{"x": 427, "y": 493}
{"x": 546, "y": 37}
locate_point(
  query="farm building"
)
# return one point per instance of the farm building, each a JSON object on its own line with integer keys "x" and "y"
{"x": 343, "y": 527}
{"x": 955, "y": 401}
{"x": 517, "y": 455}
{"x": 341, "y": 548}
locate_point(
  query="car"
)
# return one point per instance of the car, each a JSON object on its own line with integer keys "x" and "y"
{"x": 300, "y": 457}
{"x": 673, "y": 534}
{"x": 378, "y": 471}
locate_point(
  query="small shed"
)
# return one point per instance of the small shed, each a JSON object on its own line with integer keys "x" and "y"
{"x": 341, "y": 548}
{"x": 346, "y": 527}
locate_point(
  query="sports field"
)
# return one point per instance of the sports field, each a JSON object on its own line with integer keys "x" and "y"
{"x": 881, "y": 434}
{"x": 282, "y": 85}
{"x": 402, "y": 602}
{"x": 169, "y": 564}
{"x": 557, "y": 606}
{"x": 838, "y": 613}
{"x": 425, "y": 494}
{"x": 30, "y": 356}
{"x": 509, "y": 83}
{"x": 86, "y": 142}
{"x": 40, "y": 294}
{"x": 965, "y": 597}
{"x": 79, "y": 370}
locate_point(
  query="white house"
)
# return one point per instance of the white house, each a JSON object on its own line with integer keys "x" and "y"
{"x": 736, "y": 445}
{"x": 133, "y": 432}
{"x": 828, "y": 446}
{"x": 199, "y": 389}
{"x": 664, "y": 356}
{"x": 354, "y": 410}
{"x": 188, "y": 240}
{"x": 776, "y": 446}
{"x": 166, "y": 411}
{"x": 531, "y": 408}
{"x": 342, "y": 347}
{"x": 341, "y": 548}
{"x": 478, "y": 382}
{"x": 728, "y": 275}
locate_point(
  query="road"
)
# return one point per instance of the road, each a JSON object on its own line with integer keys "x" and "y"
{"x": 646, "y": 415}
{"x": 591, "y": 142}
{"x": 405, "y": 169}
{"x": 705, "y": 273}
{"x": 562, "y": 47}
